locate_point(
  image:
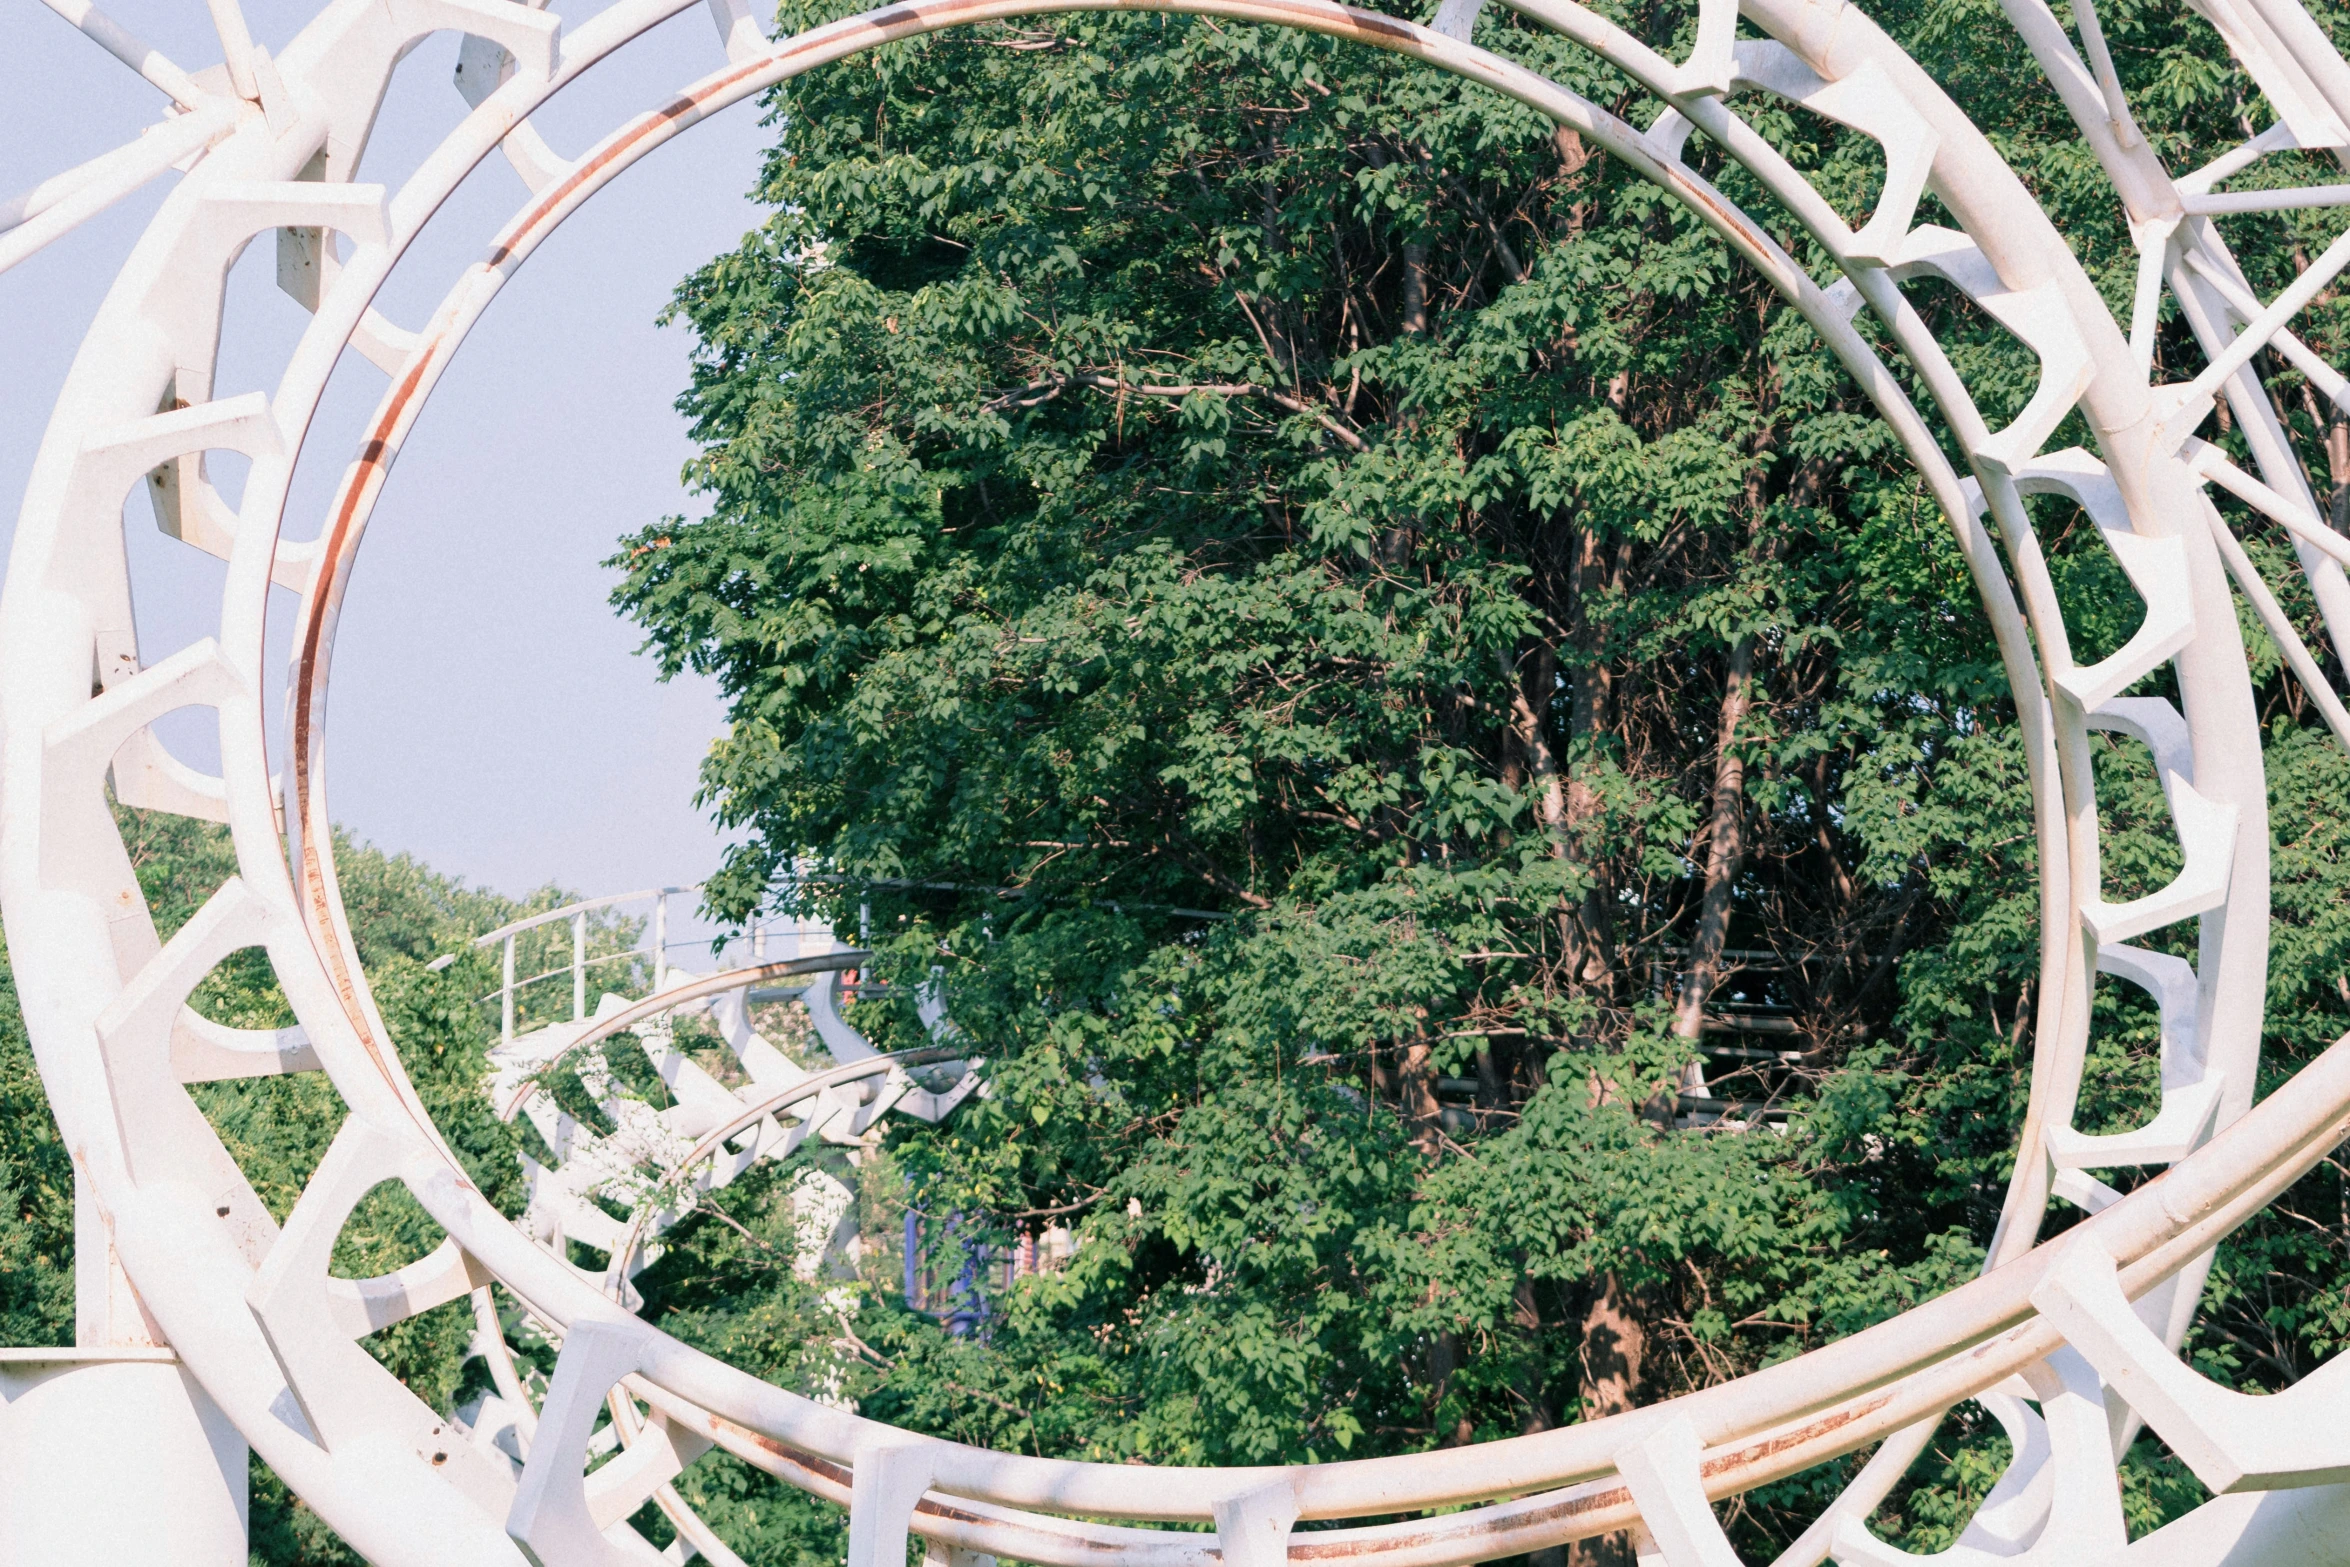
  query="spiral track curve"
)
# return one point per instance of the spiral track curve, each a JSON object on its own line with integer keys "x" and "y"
{"x": 2050, "y": 1338}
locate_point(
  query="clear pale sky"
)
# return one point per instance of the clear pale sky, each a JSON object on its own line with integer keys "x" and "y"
{"x": 490, "y": 712}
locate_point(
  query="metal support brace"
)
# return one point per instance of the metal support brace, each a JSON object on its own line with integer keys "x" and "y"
{"x": 937, "y": 1553}
{"x": 2057, "y": 1504}
{"x": 111, "y": 461}
{"x": 136, "y": 1032}
{"x": 2177, "y": 1130}
{"x": 114, "y": 732}
{"x": 1252, "y": 1529}
{"x": 1665, "y": 1472}
{"x": 2156, "y": 567}
{"x": 822, "y": 999}
{"x": 364, "y": 1306}
{"x": 2206, "y": 461}
{"x": 488, "y": 58}
{"x": 738, "y": 30}
{"x": 2207, "y": 839}
{"x": 236, "y": 210}
{"x": 2300, "y": 104}
{"x": 1867, "y": 101}
{"x": 203, "y": 1051}
{"x": 2018, "y": 1505}
{"x": 2007, "y": 1523}
{"x": 661, "y": 941}
{"x": 2233, "y": 1441}
{"x": 135, "y": 1051}
{"x": 1456, "y": 19}
{"x": 848, "y": 1127}
{"x": 2039, "y": 319}
{"x": 530, "y": 37}
{"x": 2303, "y": 1528}
{"x": 169, "y": 448}
{"x": 551, "y": 1518}
{"x": 2153, "y": 239}
{"x": 2190, "y": 1093}
{"x": 656, "y": 1455}
{"x": 887, "y": 1482}
{"x": 351, "y": 1402}
{"x": 1712, "y": 62}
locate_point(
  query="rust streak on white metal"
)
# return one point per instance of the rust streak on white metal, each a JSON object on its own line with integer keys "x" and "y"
{"x": 248, "y": 1315}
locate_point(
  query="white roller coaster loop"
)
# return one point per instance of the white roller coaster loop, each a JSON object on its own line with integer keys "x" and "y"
{"x": 658, "y": 1164}
{"x": 640, "y": 1165}
{"x": 202, "y": 1321}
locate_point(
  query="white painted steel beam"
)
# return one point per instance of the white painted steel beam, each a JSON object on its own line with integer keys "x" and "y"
{"x": 264, "y": 1342}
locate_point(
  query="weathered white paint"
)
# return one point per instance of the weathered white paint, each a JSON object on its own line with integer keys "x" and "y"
{"x": 178, "y": 1251}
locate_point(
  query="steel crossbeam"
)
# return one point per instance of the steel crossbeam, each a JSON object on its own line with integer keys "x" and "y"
{"x": 201, "y": 1317}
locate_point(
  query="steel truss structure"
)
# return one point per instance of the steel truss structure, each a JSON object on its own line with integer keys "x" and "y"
{"x": 655, "y": 1163}
{"x": 204, "y": 1325}
{"x": 658, "y": 1164}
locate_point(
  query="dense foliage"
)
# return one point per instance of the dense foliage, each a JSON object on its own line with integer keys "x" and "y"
{"x": 1347, "y": 629}
{"x": 1441, "y": 755}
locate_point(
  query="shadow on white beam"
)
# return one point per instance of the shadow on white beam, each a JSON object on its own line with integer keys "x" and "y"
{"x": 2233, "y": 1441}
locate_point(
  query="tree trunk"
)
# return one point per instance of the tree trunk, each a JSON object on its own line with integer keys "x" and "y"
{"x": 1492, "y": 1085}
{"x": 1726, "y": 851}
{"x": 1444, "y": 1358}
{"x": 1415, "y": 290}
{"x": 1847, "y": 893}
{"x": 2338, "y": 466}
{"x": 1535, "y": 1414}
{"x": 1532, "y": 735}
{"x": 1591, "y": 958}
{"x": 1574, "y": 156}
{"x": 1420, "y": 1108}
{"x": 1614, "y": 1344}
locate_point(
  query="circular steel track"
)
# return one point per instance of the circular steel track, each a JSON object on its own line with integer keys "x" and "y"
{"x": 2050, "y": 1338}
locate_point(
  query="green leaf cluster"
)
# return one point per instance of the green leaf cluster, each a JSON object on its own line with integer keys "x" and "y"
{"x": 1229, "y": 551}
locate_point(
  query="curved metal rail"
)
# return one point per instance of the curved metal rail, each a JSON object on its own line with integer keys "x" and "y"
{"x": 249, "y": 1306}
{"x": 588, "y": 1169}
{"x": 660, "y": 1164}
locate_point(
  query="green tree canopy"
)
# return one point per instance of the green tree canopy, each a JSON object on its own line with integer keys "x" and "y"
{"x": 1426, "y": 732}
{"x": 1366, "y": 652}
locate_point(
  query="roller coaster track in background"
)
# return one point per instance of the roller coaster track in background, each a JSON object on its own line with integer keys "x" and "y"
{"x": 654, "y": 1161}
{"x": 655, "y": 1164}
{"x": 203, "y": 1325}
